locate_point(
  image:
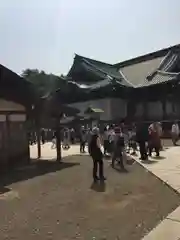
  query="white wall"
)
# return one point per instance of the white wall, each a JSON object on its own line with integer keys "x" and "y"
{"x": 139, "y": 110}
{"x": 169, "y": 109}
{"x": 118, "y": 108}
{"x": 113, "y": 108}
{"x": 155, "y": 110}
{"x": 10, "y": 106}
{"x": 104, "y": 104}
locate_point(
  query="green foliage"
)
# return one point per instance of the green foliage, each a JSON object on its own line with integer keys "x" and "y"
{"x": 45, "y": 83}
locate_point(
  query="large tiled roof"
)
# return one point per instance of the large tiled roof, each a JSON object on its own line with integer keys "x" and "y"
{"x": 106, "y": 82}
{"x": 137, "y": 73}
{"x": 170, "y": 61}
{"x": 146, "y": 57}
{"x": 150, "y": 69}
{"x": 103, "y": 70}
{"x": 15, "y": 88}
{"x": 159, "y": 77}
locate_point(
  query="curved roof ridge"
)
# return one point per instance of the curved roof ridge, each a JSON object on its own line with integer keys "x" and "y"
{"x": 127, "y": 79}
{"x": 101, "y": 70}
{"x": 96, "y": 61}
{"x": 168, "y": 73}
{"x": 148, "y": 56}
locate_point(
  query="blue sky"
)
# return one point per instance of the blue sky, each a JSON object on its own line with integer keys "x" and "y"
{"x": 45, "y": 34}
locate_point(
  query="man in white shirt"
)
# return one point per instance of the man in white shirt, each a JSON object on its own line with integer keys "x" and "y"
{"x": 175, "y": 133}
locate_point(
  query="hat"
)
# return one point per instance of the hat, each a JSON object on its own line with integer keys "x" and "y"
{"x": 95, "y": 130}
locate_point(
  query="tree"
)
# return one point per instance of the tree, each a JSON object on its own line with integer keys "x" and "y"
{"x": 45, "y": 83}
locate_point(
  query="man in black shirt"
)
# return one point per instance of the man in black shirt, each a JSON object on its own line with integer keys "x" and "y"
{"x": 142, "y": 136}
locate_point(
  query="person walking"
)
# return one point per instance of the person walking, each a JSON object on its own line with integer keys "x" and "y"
{"x": 66, "y": 139}
{"x": 111, "y": 138}
{"x": 83, "y": 139}
{"x": 89, "y": 136}
{"x": 72, "y": 134}
{"x": 154, "y": 139}
{"x": 43, "y": 136}
{"x": 132, "y": 140}
{"x": 97, "y": 155}
{"x": 175, "y": 133}
{"x": 53, "y": 141}
{"x": 142, "y": 137}
{"x": 119, "y": 148}
{"x": 106, "y": 140}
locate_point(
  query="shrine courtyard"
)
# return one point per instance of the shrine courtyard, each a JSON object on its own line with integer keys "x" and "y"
{"x": 60, "y": 202}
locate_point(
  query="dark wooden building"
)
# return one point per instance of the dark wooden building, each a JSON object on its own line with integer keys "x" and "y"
{"x": 17, "y": 98}
{"x": 146, "y": 87}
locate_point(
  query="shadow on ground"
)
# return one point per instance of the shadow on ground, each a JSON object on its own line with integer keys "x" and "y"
{"x": 120, "y": 170}
{"x": 36, "y": 168}
{"x": 149, "y": 161}
{"x": 158, "y": 158}
{"x": 4, "y": 190}
{"x": 99, "y": 186}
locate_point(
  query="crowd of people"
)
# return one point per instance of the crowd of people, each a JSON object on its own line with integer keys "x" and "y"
{"x": 118, "y": 141}
{"x": 115, "y": 141}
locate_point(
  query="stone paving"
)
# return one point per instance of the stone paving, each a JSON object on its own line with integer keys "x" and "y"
{"x": 166, "y": 168}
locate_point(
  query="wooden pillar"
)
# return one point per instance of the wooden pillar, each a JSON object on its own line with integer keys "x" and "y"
{"x": 8, "y": 143}
{"x": 38, "y": 142}
{"x": 38, "y": 133}
{"x": 146, "y": 96}
{"x": 58, "y": 140}
{"x": 145, "y": 110}
{"x": 131, "y": 110}
{"x": 163, "y": 102}
{"x": 5, "y": 147}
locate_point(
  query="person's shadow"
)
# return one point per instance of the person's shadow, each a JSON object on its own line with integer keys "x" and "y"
{"x": 99, "y": 186}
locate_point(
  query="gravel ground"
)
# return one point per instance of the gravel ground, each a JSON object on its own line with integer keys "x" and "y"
{"x": 60, "y": 202}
